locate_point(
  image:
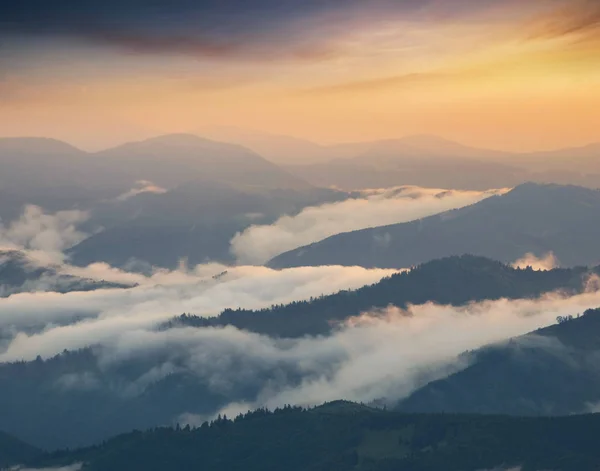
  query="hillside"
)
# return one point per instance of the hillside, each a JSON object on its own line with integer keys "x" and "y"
{"x": 14, "y": 451}
{"x": 453, "y": 280}
{"x": 552, "y": 371}
{"x": 531, "y": 218}
{"x": 178, "y": 158}
{"x": 344, "y": 437}
{"x": 192, "y": 192}
{"x": 43, "y": 401}
{"x": 195, "y": 220}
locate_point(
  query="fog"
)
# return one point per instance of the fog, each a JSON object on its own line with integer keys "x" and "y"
{"x": 391, "y": 354}
{"x": 97, "y": 315}
{"x": 386, "y": 354}
{"x": 44, "y": 236}
{"x": 260, "y": 243}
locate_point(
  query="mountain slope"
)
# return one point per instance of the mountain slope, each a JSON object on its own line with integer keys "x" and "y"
{"x": 348, "y": 437}
{"x": 175, "y": 159}
{"x": 195, "y": 220}
{"x": 43, "y": 401}
{"x": 454, "y": 280}
{"x": 553, "y": 371}
{"x": 530, "y": 219}
{"x": 14, "y": 451}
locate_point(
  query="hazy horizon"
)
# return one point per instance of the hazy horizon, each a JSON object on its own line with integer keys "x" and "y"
{"x": 222, "y": 137}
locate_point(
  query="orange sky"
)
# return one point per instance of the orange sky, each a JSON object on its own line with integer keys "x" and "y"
{"x": 508, "y": 78}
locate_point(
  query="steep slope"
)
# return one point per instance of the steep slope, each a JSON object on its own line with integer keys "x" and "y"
{"x": 348, "y": 437}
{"x": 531, "y": 218}
{"x": 553, "y": 371}
{"x": 454, "y": 280}
{"x": 15, "y": 452}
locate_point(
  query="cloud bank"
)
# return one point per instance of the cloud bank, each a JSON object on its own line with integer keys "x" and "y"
{"x": 80, "y": 319}
{"x": 44, "y": 236}
{"x": 258, "y": 244}
{"x": 385, "y": 354}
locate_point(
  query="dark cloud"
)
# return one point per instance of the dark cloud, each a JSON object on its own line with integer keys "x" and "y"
{"x": 300, "y": 29}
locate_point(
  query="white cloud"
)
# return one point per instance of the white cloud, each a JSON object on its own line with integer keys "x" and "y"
{"x": 79, "y": 319}
{"x": 258, "y": 244}
{"x": 43, "y": 236}
{"x": 382, "y": 354}
{"x": 390, "y": 356}
{"x": 141, "y": 186}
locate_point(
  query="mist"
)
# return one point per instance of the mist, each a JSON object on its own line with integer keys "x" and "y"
{"x": 260, "y": 243}
{"x": 78, "y": 319}
{"x": 384, "y": 354}
{"x": 44, "y": 236}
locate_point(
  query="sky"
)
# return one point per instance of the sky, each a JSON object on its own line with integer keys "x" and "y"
{"x": 503, "y": 74}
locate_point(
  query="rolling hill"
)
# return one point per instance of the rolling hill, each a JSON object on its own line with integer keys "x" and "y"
{"x": 342, "y": 436}
{"x": 532, "y": 218}
{"x": 454, "y": 281}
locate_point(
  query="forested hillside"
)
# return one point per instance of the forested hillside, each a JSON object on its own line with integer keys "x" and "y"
{"x": 343, "y": 436}
{"x": 553, "y": 371}
{"x": 14, "y": 451}
{"x": 453, "y": 280}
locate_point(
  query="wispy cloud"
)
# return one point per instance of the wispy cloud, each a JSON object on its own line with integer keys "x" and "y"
{"x": 576, "y": 18}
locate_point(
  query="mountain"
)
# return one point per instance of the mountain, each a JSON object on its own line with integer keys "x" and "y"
{"x": 584, "y": 159}
{"x": 195, "y": 220}
{"x": 343, "y": 436}
{"x": 192, "y": 192}
{"x": 282, "y": 150}
{"x": 552, "y": 371}
{"x": 48, "y": 173}
{"x": 416, "y": 160}
{"x": 532, "y": 218}
{"x": 436, "y": 162}
{"x": 454, "y": 281}
{"x": 79, "y": 398}
{"x": 176, "y": 159}
{"x": 14, "y": 452}
{"x": 19, "y": 273}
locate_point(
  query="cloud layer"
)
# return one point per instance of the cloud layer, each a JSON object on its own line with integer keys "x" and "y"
{"x": 258, "y": 244}
{"x": 44, "y": 236}
{"x": 80, "y": 319}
